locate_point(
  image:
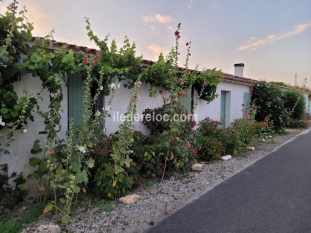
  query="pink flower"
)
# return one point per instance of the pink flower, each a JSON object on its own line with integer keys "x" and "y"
{"x": 188, "y": 144}
{"x": 246, "y": 116}
{"x": 181, "y": 81}
{"x": 85, "y": 61}
{"x": 205, "y": 84}
{"x": 253, "y": 105}
{"x": 266, "y": 119}
{"x": 53, "y": 152}
{"x": 138, "y": 97}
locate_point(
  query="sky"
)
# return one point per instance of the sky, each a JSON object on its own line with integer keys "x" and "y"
{"x": 271, "y": 37}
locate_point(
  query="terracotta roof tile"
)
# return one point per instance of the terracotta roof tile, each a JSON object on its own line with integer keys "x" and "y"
{"x": 227, "y": 77}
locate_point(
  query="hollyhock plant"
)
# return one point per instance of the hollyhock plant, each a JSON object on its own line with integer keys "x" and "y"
{"x": 85, "y": 61}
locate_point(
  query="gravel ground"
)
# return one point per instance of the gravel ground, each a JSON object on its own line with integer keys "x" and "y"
{"x": 164, "y": 198}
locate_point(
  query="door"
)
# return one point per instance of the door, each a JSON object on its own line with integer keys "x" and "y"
{"x": 223, "y": 100}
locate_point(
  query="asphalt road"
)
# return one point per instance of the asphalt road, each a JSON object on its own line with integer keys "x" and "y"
{"x": 272, "y": 195}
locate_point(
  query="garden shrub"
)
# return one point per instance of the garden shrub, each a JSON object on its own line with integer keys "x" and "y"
{"x": 307, "y": 116}
{"x": 211, "y": 148}
{"x": 294, "y": 104}
{"x": 270, "y": 105}
{"x": 13, "y": 195}
{"x": 176, "y": 140}
{"x": 304, "y": 124}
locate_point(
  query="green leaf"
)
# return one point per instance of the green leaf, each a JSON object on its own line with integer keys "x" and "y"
{"x": 76, "y": 189}
{"x": 107, "y": 208}
{"x": 34, "y": 161}
{"x": 82, "y": 177}
{"x": 4, "y": 110}
{"x": 36, "y": 148}
{"x": 66, "y": 219}
{"x": 75, "y": 166}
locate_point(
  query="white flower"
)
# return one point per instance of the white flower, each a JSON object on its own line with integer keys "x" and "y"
{"x": 82, "y": 149}
{"x": 138, "y": 97}
{"x": 131, "y": 151}
{"x": 104, "y": 130}
{"x": 263, "y": 140}
{"x": 24, "y": 131}
{"x": 97, "y": 114}
{"x": 101, "y": 88}
{"x": 114, "y": 86}
{"x": 2, "y": 122}
{"x": 107, "y": 108}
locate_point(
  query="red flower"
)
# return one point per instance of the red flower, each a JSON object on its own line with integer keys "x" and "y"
{"x": 243, "y": 105}
{"x": 53, "y": 152}
{"x": 85, "y": 61}
{"x": 160, "y": 91}
{"x": 96, "y": 58}
{"x": 177, "y": 33}
{"x": 187, "y": 44}
{"x": 181, "y": 81}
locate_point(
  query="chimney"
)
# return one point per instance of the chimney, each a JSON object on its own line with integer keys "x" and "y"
{"x": 238, "y": 69}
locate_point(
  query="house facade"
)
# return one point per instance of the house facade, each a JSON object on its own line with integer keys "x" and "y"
{"x": 232, "y": 93}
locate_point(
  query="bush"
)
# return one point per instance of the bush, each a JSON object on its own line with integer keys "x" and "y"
{"x": 304, "y": 124}
{"x": 211, "y": 148}
{"x": 307, "y": 116}
{"x": 270, "y": 105}
{"x": 174, "y": 141}
{"x": 294, "y": 104}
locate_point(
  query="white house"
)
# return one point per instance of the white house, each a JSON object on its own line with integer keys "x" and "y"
{"x": 232, "y": 93}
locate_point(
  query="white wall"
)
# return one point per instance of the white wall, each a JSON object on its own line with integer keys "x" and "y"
{"x": 233, "y": 104}
{"x": 121, "y": 101}
{"x": 19, "y": 156}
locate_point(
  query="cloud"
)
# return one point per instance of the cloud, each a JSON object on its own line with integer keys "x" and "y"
{"x": 157, "y": 18}
{"x": 156, "y": 49}
{"x": 254, "y": 43}
{"x": 169, "y": 27}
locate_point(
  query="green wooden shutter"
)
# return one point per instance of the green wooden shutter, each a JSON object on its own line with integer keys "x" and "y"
{"x": 187, "y": 100}
{"x": 223, "y": 109}
{"x": 246, "y": 100}
{"x": 75, "y": 98}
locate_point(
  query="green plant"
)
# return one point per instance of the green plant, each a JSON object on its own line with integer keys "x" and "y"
{"x": 211, "y": 148}
{"x": 105, "y": 206}
{"x": 270, "y": 103}
{"x": 32, "y": 213}
{"x": 10, "y": 226}
{"x": 293, "y": 123}
{"x": 294, "y": 104}
{"x": 13, "y": 195}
